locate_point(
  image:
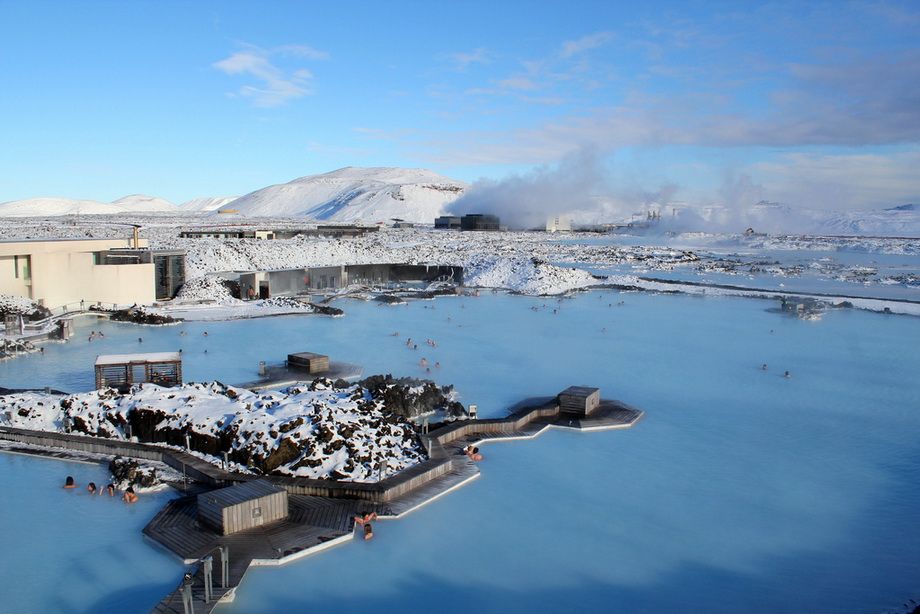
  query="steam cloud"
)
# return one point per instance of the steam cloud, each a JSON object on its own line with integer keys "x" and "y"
{"x": 580, "y": 187}
{"x": 577, "y": 184}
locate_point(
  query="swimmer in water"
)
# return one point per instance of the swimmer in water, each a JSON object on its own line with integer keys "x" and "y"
{"x": 129, "y": 496}
{"x": 787, "y": 374}
{"x": 366, "y": 517}
{"x": 473, "y": 453}
{"x": 110, "y": 489}
{"x": 69, "y": 483}
{"x": 91, "y": 488}
{"x": 763, "y": 367}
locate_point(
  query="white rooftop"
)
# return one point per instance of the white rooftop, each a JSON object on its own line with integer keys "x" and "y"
{"x": 120, "y": 359}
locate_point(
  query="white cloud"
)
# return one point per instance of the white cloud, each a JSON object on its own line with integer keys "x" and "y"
{"x": 463, "y": 59}
{"x": 585, "y": 43}
{"x": 274, "y": 85}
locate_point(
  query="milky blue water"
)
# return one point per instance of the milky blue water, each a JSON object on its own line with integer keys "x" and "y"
{"x": 69, "y": 551}
{"x": 740, "y": 489}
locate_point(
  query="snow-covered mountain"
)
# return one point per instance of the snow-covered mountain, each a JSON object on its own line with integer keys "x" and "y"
{"x": 41, "y": 207}
{"x": 352, "y": 194}
{"x": 771, "y": 217}
{"x": 206, "y": 203}
{"x": 142, "y": 202}
{"x": 900, "y": 221}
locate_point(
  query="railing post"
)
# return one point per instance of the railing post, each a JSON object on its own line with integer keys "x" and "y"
{"x": 207, "y": 564}
{"x": 187, "y": 600}
{"x": 225, "y": 567}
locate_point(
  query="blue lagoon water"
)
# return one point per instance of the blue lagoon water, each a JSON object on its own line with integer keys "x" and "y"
{"x": 740, "y": 489}
{"x": 69, "y": 551}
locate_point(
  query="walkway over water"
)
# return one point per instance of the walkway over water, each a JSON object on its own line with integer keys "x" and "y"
{"x": 321, "y": 512}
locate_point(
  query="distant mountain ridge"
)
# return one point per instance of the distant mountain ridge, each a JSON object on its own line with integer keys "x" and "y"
{"x": 51, "y": 206}
{"x": 356, "y": 194}
{"x": 780, "y": 218}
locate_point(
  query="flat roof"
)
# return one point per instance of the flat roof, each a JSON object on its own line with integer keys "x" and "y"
{"x": 121, "y": 359}
{"x": 579, "y": 391}
{"x": 240, "y": 493}
{"x": 56, "y": 240}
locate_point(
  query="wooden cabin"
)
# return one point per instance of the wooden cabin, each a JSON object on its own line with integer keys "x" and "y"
{"x": 580, "y": 400}
{"x": 312, "y": 363}
{"x": 122, "y": 370}
{"x": 243, "y": 506}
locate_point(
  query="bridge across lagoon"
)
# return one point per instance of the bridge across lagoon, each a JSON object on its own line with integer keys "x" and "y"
{"x": 320, "y": 512}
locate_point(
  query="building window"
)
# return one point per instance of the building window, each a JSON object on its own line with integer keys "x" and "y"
{"x": 25, "y": 270}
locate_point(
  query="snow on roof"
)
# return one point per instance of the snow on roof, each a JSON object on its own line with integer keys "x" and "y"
{"x": 120, "y": 359}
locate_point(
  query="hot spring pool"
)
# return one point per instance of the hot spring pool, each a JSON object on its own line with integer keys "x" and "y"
{"x": 739, "y": 490}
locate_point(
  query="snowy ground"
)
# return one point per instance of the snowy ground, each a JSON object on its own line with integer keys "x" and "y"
{"x": 534, "y": 263}
{"x": 314, "y": 431}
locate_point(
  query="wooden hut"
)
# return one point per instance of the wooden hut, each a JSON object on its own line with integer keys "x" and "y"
{"x": 312, "y": 363}
{"x": 122, "y": 370}
{"x": 243, "y": 506}
{"x": 581, "y": 400}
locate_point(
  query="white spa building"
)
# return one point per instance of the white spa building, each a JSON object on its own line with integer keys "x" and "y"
{"x": 65, "y": 271}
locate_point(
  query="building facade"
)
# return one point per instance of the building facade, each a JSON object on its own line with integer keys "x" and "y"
{"x": 447, "y": 222}
{"x": 65, "y": 271}
{"x": 479, "y": 221}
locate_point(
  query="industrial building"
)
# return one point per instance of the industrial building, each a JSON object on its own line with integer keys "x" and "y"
{"x": 291, "y": 282}
{"x": 328, "y": 231}
{"x": 447, "y": 222}
{"x": 479, "y": 221}
{"x": 558, "y": 223}
{"x": 66, "y": 271}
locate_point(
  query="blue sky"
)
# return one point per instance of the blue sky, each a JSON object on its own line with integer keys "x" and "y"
{"x": 813, "y": 104}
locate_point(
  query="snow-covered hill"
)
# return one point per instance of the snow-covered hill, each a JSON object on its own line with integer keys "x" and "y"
{"x": 901, "y": 221}
{"x": 770, "y": 217}
{"x": 41, "y": 207}
{"x": 206, "y": 204}
{"x": 351, "y": 194}
{"x": 144, "y": 203}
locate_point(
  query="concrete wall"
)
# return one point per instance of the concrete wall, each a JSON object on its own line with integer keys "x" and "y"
{"x": 12, "y": 280}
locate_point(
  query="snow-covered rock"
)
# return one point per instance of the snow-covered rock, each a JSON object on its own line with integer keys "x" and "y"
{"x": 350, "y": 194}
{"x": 315, "y": 431}
{"x": 526, "y": 275}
